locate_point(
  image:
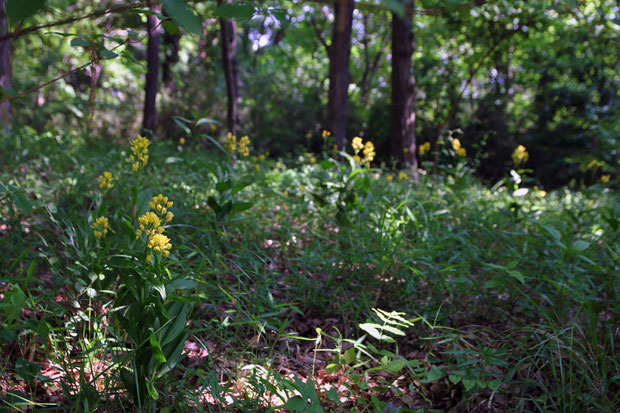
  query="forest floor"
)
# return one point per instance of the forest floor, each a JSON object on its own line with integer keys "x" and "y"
{"x": 309, "y": 286}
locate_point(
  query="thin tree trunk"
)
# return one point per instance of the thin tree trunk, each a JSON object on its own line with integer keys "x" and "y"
{"x": 231, "y": 73}
{"x": 171, "y": 45}
{"x": 6, "y": 75}
{"x": 403, "y": 143}
{"x": 339, "y": 75}
{"x": 152, "y": 66}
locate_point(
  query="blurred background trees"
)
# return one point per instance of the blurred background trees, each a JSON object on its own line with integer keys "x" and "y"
{"x": 494, "y": 73}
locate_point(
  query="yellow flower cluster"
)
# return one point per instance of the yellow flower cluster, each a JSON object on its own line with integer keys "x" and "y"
{"x": 425, "y": 147}
{"x": 140, "y": 149}
{"x": 151, "y": 224}
{"x": 312, "y": 160}
{"x": 520, "y": 155}
{"x": 160, "y": 243}
{"x": 357, "y": 144}
{"x": 389, "y": 177}
{"x": 595, "y": 164}
{"x": 182, "y": 141}
{"x": 605, "y": 179}
{"x": 402, "y": 176}
{"x": 456, "y": 144}
{"x": 326, "y": 134}
{"x": 244, "y": 146}
{"x": 230, "y": 143}
{"x": 368, "y": 150}
{"x": 461, "y": 152}
{"x": 100, "y": 227}
{"x": 105, "y": 180}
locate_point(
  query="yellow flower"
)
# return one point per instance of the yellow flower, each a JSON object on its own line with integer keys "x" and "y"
{"x": 261, "y": 157}
{"x": 357, "y": 144}
{"x": 302, "y": 187}
{"x": 100, "y": 227}
{"x": 461, "y": 152}
{"x": 105, "y": 180}
{"x": 244, "y": 146}
{"x": 456, "y": 144}
{"x": 325, "y": 134}
{"x": 140, "y": 149}
{"x": 230, "y": 143}
{"x": 369, "y": 152}
{"x": 604, "y": 178}
{"x": 357, "y": 159}
{"x": 182, "y": 141}
{"x": 213, "y": 127}
{"x": 161, "y": 204}
{"x": 539, "y": 192}
{"x": 406, "y": 150}
{"x": 520, "y": 155}
{"x": 160, "y": 243}
{"x": 312, "y": 160}
{"x": 594, "y": 164}
{"x": 149, "y": 225}
{"x": 389, "y": 177}
{"x": 425, "y": 147}
{"x": 257, "y": 167}
{"x": 402, "y": 176}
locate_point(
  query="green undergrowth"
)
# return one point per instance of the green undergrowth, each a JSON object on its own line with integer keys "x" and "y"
{"x": 314, "y": 285}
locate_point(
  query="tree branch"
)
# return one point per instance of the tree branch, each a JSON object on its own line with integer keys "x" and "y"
{"x": 319, "y": 34}
{"x": 21, "y": 32}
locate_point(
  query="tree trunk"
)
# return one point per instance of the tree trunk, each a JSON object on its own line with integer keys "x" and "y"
{"x": 231, "y": 72}
{"x": 403, "y": 143}
{"x": 339, "y": 76}
{"x": 152, "y": 74}
{"x": 171, "y": 47}
{"x": 5, "y": 65}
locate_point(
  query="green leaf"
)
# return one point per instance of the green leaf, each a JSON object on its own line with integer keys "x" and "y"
{"x": 332, "y": 367}
{"x": 21, "y": 201}
{"x": 296, "y": 404}
{"x": 327, "y": 164}
{"x": 395, "y": 6}
{"x": 581, "y": 245}
{"x": 516, "y": 274}
{"x": 80, "y": 42}
{"x": 349, "y": 355}
{"x": 18, "y": 10}
{"x": 157, "y": 353}
{"x": 241, "y": 206}
{"x": 435, "y": 374}
{"x": 170, "y": 27}
{"x": 235, "y": 11}
{"x": 372, "y": 329}
{"x": 183, "y": 14}
{"x": 108, "y": 54}
{"x": 26, "y": 370}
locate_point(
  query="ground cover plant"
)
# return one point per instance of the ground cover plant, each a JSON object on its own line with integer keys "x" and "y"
{"x": 309, "y": 284}
{"x": 309, "y": 206}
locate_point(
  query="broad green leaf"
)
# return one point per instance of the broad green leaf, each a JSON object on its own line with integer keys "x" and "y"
{"x": 235, "y": 11}
{"x": 581, "y": 245}
{"x": 296, "y": 404}
{"x": 108, "y": 54}
{"x": 183, "y": 14}
{"x": 395, "y": 6}
{"x": 332, "y": 367}
{"x": 170, "y": 27}
{"x": 241, "y": 206}
{"x": 18, "y": 10}
{"x": 80, "y": 42}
